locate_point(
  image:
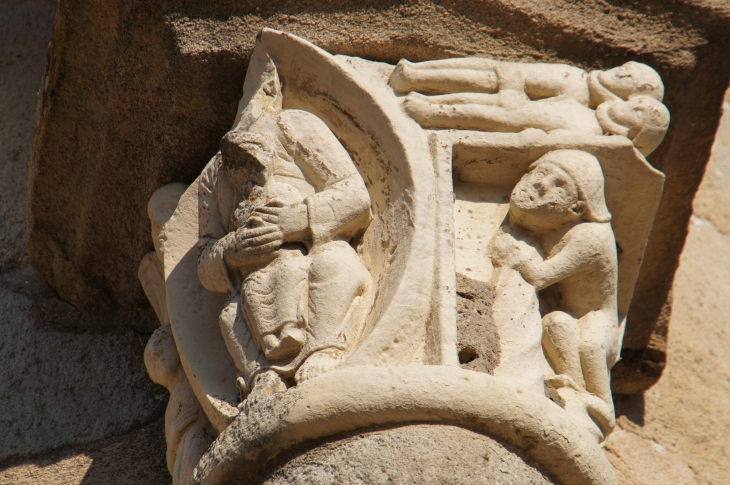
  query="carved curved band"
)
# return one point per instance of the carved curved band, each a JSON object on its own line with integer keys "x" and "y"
{"x": 359, "y": 397}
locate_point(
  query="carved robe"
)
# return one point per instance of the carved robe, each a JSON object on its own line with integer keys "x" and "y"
{"x": 310, "y": 159}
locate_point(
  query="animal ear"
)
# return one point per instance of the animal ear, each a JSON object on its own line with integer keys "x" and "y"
{"x": 579, "y": 208}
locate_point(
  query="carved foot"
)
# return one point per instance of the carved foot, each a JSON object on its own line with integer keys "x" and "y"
{"x": 400, "y": 79}
{"x": 265, "y": 385}
{"x": 319, "y": 363}
{"x": 590, "y": 411}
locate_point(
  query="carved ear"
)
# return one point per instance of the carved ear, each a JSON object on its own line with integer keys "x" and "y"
{"x": 579, "y": 208}
{"x": 647, "y": 87}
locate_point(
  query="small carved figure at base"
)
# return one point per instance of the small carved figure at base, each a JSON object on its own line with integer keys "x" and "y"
{"x": 187, "y": 431}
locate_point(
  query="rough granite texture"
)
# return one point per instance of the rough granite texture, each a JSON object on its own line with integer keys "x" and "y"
{"x": 137, "y": 458}
{"x": 161, "y": 88}
{"x": 432, "y": 453}
{"x": 58, "y": 387}
{"x": 477, "y": 336}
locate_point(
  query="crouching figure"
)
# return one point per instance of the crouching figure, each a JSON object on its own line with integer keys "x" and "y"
{"x": 561, "y": 202}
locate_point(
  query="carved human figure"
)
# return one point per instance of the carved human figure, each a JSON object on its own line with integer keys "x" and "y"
{"x": 552, "y": 97}
{"x": 278, "y": 207}
{"x": 188, "y": 432}
{"x": 642, "y": 119}
{"x": 536, "y": 80}
{"x": 151, "y": 274}
{"x": 560, "y": 200}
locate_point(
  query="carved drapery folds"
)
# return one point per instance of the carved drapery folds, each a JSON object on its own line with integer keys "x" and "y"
{"x": 311, "y": 275}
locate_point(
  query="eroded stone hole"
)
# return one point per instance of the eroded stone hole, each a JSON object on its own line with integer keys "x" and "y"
{"x": 467, "y": 354}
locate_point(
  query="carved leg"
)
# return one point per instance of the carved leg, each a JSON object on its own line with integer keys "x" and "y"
{"x": 598, "y": 348}
{"x": 459, "y": 98}
{"x": 560, "y": 340}
{"x": 336, "y": 278}
{"x": 239, "y": 340}
{"x": 274, "y": 308}
{"x": 444, "y": 77}
{"x": 194, "y": 444}
{"x": 290, "y": 277}
{"x": 482, "y": 117}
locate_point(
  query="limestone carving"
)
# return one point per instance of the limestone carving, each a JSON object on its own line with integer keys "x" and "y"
{"x": 561, "y": 202}
{"x": 367, "y": 229}
{"x": 490, "y": 95}
{"x": 187, "y": 430}
{"x": 159, "y": 209}
{"x": 278, "y": 208}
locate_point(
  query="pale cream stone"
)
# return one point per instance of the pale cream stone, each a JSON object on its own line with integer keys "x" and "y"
{"x": 351, "y": 398}
{"x": 310, "y": 271}
{"x": 509, "y": 97}
{"x": 188, "y": 432}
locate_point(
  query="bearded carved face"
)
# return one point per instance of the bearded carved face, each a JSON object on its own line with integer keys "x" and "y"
{"x": 546, "y": 197}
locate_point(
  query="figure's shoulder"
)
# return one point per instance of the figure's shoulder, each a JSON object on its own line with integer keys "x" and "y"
{"x": 593, "y": 234}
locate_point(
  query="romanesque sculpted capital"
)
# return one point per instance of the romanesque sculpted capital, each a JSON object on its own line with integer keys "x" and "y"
{"x": 451, "y": 241}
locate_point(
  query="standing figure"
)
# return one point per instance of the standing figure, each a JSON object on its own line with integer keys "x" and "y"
{"x": 561, "y": 202}
{"x": 278, "y": 207}
{"x": 188, "y": 432}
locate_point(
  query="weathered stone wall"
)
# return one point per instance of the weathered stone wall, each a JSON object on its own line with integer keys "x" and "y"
{"x": 677, "y": 432}
{"x": 63, "y": 392}
{"x": 77, "y": 404}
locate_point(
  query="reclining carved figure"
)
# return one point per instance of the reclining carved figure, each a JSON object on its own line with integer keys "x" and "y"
{"x": 561, "y": 202}
{"x": 489, "y": 95}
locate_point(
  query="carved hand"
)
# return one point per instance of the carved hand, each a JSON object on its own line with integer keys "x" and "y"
{"x": 249, "y": 246}
{"x": 292, "y": 221}
{"x": 508, "y": 251}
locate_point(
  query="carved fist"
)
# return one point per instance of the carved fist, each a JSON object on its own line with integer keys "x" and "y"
{"x": 508, "y": 251}
{"x": 292, "y": 222}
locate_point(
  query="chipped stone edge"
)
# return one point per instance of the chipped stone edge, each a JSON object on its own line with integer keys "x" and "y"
{"x": 359, "y": 397}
